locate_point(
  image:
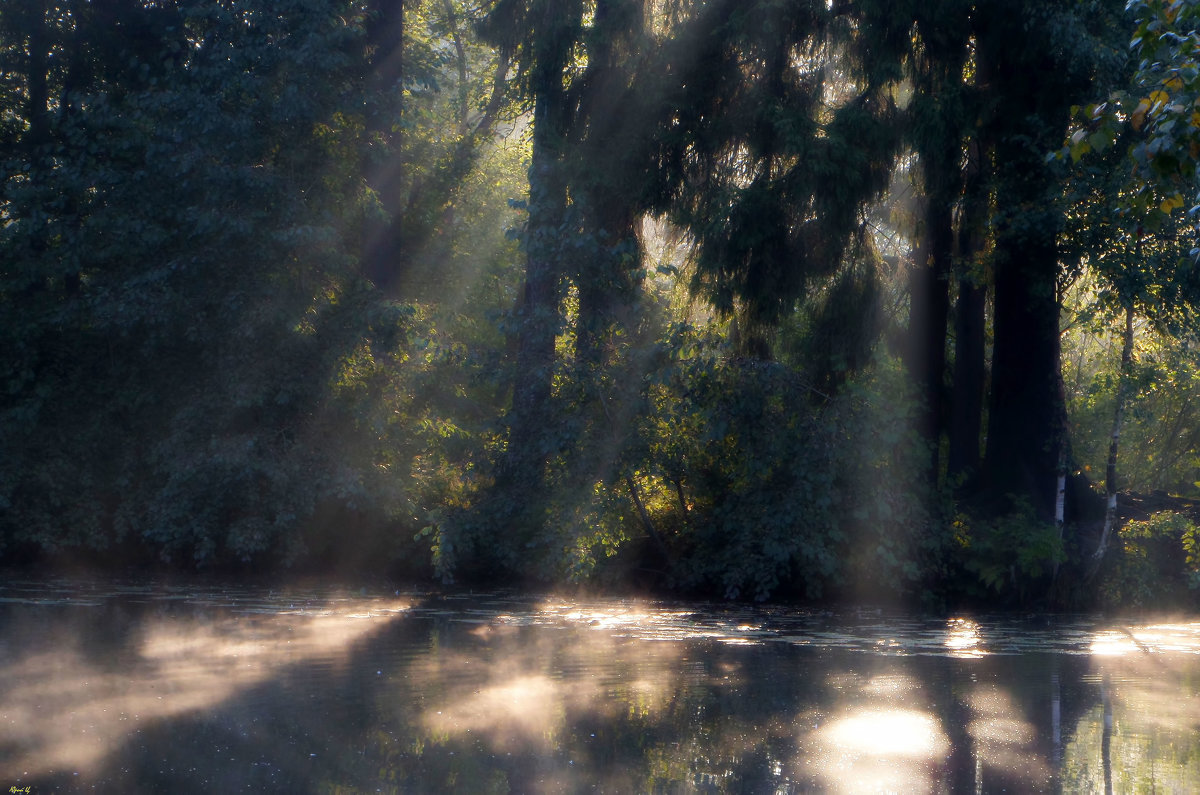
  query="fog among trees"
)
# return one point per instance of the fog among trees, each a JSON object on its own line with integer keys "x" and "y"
{"x": 751, "y": 299}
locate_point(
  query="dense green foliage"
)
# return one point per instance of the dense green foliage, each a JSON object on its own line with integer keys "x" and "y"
{"x": 741, "y": 298}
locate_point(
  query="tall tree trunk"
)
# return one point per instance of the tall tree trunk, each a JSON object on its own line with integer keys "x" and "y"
{"x": 938, "y": 80}
{"x": 1030, "y": 112}
{"x": 929, "y": 312}
{"x": 1110, "y": 472}
{"x": 523, "y": 470}
{"x": 603, "y": 178}
{"x": 965, "y": 425}
{"x": 1023, "y": 428}
{"x": 606, "y": 285}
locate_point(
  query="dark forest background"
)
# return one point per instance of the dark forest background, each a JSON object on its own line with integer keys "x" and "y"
{"x": 859, "y": 299}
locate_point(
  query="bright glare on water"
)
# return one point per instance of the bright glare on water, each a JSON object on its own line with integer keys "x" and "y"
{"x": 157, "y": 688}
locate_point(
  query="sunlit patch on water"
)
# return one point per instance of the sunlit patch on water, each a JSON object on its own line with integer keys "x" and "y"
{"x": 638, "y": 620}
{"x": 1154, "y": 638}
{"x": 514, "y": 713}
{"x": 895, "y": 732}
{"x": 1112, "y": 643}
{"x": 963, "y": 639}
{"x": 880, "y": 750}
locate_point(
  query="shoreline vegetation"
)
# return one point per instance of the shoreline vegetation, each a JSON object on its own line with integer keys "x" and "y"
{"x": 728, "y": 299}
{"x": 1138, "y": 583}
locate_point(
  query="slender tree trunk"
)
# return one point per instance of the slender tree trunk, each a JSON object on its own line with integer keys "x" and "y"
{"x": 970, "y": 327}
{"x": 968, "y": 380}
{"x": 400, "y": 245}
{"x": 647, "y": 524}
{"x": 1110, "y": 472}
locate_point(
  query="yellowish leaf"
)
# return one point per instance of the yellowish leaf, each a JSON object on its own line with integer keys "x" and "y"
{"x": 1171, "y": 203}
{"x": 1138, "y": 117}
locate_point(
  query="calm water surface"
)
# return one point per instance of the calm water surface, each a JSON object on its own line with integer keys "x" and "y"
{"x": 123, "y": 687}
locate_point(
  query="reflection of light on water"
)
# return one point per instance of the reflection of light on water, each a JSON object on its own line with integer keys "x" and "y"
{"x": 512, "y": 700}
{"x": 1179, "y": 638}
{"x": 643, "y": 623}
{"x": 62, "y": 710}
{"x": 963, "y": 638}
{"x": 895, "y": 732}
{"x": 1146, "y": 712}
{"x": 1111, "y": 644}
{"x": 522, "y": 709}
{"x": 739, "y": 641}
{"x": 1143, "y": 726}
{"x": 881, "y": 750}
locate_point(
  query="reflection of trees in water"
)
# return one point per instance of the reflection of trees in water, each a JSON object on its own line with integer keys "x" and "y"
{"x": 473, "y": 696}
{"x": 1142, "y": 730}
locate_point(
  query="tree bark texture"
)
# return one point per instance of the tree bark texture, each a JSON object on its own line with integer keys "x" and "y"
{"x": 531, "y": 441}
{"x": 539, "y": 315}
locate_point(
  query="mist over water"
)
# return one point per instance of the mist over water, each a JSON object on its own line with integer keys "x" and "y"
{"x": 151, "y": 687}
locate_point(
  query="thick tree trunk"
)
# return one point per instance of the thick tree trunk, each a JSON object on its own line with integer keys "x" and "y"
{"x": 604, "y": 180}
{"x": 1024, "y": 415}
{"x": 523, "y": 469}
{"x": 1110, "y": 473}
{"x": 1028, "y": 119}
{"x": 1023, "y": 428}
{"x": 606, "y": 286}
{"x": 929, "y": 310}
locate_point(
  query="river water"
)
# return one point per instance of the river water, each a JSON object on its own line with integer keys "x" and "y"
{"x": 135, "y": 687}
